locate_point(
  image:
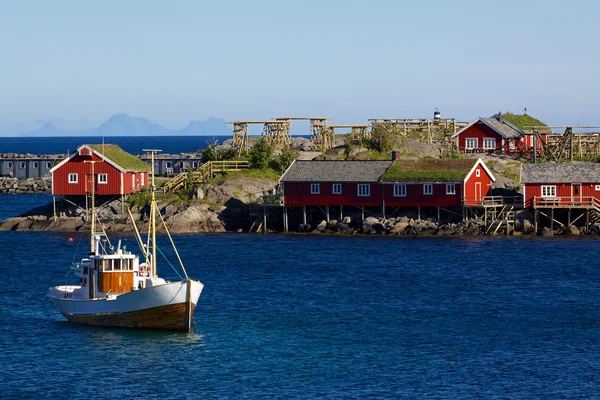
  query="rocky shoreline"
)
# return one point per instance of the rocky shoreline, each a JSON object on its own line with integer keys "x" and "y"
{"x": 41, "y": 185}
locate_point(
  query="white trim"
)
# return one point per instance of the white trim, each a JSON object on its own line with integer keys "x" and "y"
{"x": 286, "y": 171}
{"x": 76, "y": 181}
{"x": 333, "y": 186}
{"x": 364, "y": 185}
{"x": 398, "y": 193}
{"x": 477, "y": 173}
{"x": 428, "y": 185}
{"x": 142, "y": 180}
{"x": 133, "y": 181}
{"x": 122, "y": 179}
{"x": 472, "y": 147}
{"x": 451, "y": 185}
{"x": 315, "y": 188}
{"x": 553, "y": 187}
{"x": 487, "y": 171}
{"x": 597, "y": 188}
{"x": 488, "y": 139}
{"x": 105, "y": 179}
{"x": 457, "y": 134}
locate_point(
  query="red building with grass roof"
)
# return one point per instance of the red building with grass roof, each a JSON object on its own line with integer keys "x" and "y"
{"x": 436, "y": 183}
{"x": 116, "y": 172}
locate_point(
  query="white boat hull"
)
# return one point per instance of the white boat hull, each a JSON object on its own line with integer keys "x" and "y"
{"x": 166, "y": 307}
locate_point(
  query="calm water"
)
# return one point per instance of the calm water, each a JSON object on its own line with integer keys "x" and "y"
{"x": 321, "y": 317}
{"x": 131, "y": 144}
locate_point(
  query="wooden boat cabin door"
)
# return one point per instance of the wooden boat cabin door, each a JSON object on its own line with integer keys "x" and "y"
{"x": 116, "y": 275}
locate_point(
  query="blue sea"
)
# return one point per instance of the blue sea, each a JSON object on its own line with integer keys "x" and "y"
{"x": 131, "y": 144}
{"x": 286, "y": 317}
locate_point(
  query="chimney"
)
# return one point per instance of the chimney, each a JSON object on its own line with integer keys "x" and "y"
{"x": 395, "y": 155}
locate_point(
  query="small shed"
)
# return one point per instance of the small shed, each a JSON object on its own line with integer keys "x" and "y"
{"x": 575, "y": 184}
{"x": 489, "y": 135}
{"x": 116, "y": 172}
{"x": 436, "y": 183}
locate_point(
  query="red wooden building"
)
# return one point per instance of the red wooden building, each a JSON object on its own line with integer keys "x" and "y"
{"x": 490, "y": 135}
{"x": 333, "y": 183}
{"x": 561, "y": 185}
{"x": 116, "y": 172}
{"x": 437, "y": 183}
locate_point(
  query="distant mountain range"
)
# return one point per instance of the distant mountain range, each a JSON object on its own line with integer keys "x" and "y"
{"x": 125, "y": 125}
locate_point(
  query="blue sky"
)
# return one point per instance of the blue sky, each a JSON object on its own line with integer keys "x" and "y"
{"x": 174, "y": 61}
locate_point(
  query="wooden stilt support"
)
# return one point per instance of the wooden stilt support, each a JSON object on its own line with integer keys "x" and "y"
{"x": 304, "y": 214}
{"x": 285, "y": 220}
{"x": 587, "y": 220}
{"x": 362, "y": 212}
{"x": 552, "y": 219}
{"x": 438, "y": 219}
{"x": 341, "y": 213}
{"x": 264, "y": 219}
{"x": 54, "y": 207}
{"x": 327, "y": 213}
{"x": 418, "y": 212}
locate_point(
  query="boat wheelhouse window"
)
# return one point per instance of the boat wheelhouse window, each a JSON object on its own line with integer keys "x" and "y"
{"x": 107, "y": 265}
{"x": 117, "y": 264}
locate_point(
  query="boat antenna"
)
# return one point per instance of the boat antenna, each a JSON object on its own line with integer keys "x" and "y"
{"x": 153, "y": 209}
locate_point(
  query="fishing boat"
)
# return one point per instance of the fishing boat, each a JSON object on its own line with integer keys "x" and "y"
{"x": 118, "y": 289}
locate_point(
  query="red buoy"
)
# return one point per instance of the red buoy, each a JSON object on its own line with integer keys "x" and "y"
{"x": 70, "y": 239}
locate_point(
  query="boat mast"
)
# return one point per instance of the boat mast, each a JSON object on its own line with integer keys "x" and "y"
{"x": 93, "y": 228}
{"x": 153, "y": 211}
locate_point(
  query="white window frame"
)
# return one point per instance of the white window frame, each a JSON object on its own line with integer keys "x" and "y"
{"x": 428, "y": 189}
{"x": 450, "y": 188}
{"x": 169, "y": 164}
{"x": 102, "y": 179}
{"x": 336, "y": 188}
{"x": 315, "y": 188}
{"x": 48, "y": 165}
{"x": 142, "y": 179}
{"x": 486, "y": 142}
{"x": 36, "y": 164}
{"x": 73, "y": 178}
{"x": 9, "y": 164}
{"x": 597, "y": 188}
{"x": 548, "y": 190}
{"x": 22, "y": 165}
{"x": 132, "y": 180}
{"x": 477, "y": 173}
{"x": 399, "y": 190}
{"x": 364, "y": 189}
{"x": 469, "y": 140}
{"x": 194, "y": 164}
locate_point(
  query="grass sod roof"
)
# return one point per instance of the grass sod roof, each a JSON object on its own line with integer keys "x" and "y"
{"x": 521, "y": 121}
{"x": 120, "y": 157}
{"x": 428, "y": 170}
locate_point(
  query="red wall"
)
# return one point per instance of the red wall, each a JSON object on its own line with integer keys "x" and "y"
{"x": 298, "y": 194}
{"x": 471, "y": 196}
{"x": 479, "y": 130}
{"x": 62, "y": 187}
{"x": 415, "y": 197}
{"x": 562, "y": 190}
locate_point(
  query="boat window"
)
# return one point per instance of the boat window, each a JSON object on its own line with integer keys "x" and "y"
{"x": 85, "y": 270}
{"x": 107, "y": 265}
{"x": 117, "y": 264}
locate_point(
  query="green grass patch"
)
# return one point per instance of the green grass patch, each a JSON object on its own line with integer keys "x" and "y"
{"x": 521, "y": 121}
{"x": 120, "y": 157}
{"x": 399, "y": 172}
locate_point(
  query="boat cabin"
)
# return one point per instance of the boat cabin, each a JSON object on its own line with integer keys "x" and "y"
{"x": 107, "y": 274}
